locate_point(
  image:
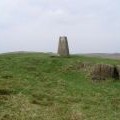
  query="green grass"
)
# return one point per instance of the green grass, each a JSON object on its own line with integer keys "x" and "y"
{"x": 36, "y": 86}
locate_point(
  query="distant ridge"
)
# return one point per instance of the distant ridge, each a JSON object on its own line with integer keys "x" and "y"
{"x": 104, "y": 55}
{"x": 20, "y": 52}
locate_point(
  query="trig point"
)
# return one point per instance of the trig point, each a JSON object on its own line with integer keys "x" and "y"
{"x": 63, "y": 48}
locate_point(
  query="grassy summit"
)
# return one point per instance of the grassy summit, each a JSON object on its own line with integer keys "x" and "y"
{"x": 36, "y": 86}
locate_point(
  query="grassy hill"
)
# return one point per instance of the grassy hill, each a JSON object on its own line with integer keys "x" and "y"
{"x": 38, "y": 86}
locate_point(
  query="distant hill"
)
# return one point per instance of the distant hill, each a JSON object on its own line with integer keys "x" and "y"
{"x": 104, "y": 55}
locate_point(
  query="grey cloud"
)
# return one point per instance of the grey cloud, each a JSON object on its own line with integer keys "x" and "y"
{"x": 91, "y": 25}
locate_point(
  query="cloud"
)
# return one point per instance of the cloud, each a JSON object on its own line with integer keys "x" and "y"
{"x": 37, "y": 25}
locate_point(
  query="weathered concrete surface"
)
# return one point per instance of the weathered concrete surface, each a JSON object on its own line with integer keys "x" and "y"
{"x": 63, "y": 48}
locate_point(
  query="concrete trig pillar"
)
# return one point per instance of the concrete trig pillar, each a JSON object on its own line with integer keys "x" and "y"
{"x": 63, "y": 48}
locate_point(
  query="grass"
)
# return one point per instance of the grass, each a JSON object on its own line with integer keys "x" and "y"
{"x": 37, "y": 86}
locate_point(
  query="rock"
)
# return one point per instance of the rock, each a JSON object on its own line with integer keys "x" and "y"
{"x": 102, "y": 72}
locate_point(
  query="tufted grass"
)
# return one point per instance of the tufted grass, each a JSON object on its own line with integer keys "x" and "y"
{"x": 38, "y": 86}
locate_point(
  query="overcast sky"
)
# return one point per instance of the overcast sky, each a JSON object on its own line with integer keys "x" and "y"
{"x": 35, "y": 25}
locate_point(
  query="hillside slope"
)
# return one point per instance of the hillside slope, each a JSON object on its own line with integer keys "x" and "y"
{"x": 38, "y": 86}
